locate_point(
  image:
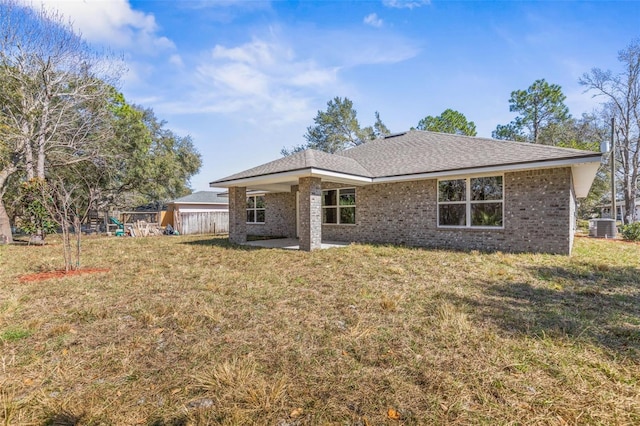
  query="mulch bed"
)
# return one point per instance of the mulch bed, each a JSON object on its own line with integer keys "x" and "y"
{"x": 41, "y": 276}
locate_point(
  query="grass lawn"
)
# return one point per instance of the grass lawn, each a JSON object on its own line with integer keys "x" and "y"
{"x": 191, "y": 330}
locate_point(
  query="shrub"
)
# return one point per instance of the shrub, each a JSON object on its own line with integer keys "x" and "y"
{"x": 583, "y": 225}
{"x": 631, "y": 231}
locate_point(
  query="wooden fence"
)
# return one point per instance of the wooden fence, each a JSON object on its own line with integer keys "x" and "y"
{"x": 188, "y": 223}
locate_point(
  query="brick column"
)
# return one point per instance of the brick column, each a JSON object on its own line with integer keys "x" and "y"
{"x": 238, "y": 215}
{"x": 310, "y": 213}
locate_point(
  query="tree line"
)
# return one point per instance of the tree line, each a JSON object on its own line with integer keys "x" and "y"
{"x": 69, "y": 140}
{"x": 542, "y": 118}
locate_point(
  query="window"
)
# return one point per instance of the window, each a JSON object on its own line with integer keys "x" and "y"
{"x": 255, "y": 209}
{"x": 471, "y": 202}
{"x": 339, "y": 206}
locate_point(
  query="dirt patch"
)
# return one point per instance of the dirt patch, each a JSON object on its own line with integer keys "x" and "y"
{"x": 41, "y": 276}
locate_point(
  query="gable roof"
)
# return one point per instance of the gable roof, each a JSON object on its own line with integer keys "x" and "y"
{"x": 202, "y": 197}
{"x": 415, "y": 154}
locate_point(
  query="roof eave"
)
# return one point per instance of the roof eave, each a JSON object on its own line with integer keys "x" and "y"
{"x": 196, "y": 202}
{"x": 275, "y": 178}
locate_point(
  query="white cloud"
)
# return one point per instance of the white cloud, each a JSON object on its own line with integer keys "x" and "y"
{"x": 373, "y": 20}
{"x": 113, "y": 23}
{"x": 176, "y": 60}
{"x": 274, "y": 80}
{"x": 406, "y": 4}
{"x": 262, "y": 79}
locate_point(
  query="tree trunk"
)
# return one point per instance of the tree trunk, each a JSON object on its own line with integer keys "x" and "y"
{"x": 28, "y": 152}
{"x": 77, "y": 226}
{"x": 6, "y": 235}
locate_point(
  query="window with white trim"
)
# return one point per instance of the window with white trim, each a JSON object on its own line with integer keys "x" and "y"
{"x": 471, "y": 202}
{"x": 339, "y": 206}
{"x": 255, "y": 209}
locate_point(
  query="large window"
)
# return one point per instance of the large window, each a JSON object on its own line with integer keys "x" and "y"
{"x": 471, "y": 202}
{"x": 339, "y": 206}
{"x": 255, "y": 209}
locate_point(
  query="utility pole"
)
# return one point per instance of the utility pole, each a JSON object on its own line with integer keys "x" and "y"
{"x": 614, "y": 213}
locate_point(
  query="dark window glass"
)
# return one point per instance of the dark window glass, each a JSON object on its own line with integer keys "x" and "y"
{"x": 329, "y": 198}
{"x": 255, "y": 209}
{"x": 348, "y": 197}
{"x": 486, "y": 188}
{"x": 486, "y": 214}
{"x": 330, "y": 215}
{"x": 348, "y": 215}
{"x": 452, "y": 190}
{"x": 452, "y": 214}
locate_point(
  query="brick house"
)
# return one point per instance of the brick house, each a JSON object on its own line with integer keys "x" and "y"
{"x": 420, "y": 189}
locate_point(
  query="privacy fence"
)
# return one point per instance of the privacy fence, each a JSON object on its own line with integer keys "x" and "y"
{"x": 189, "y": 223}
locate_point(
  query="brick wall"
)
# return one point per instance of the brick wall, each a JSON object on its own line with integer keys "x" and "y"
{"x": 280, "y": 216}
{"x": 539, "y": 208}
{"x": 310, "y": 213}
{"x": 237, "y": 215}
{"x": 537, "y": 216}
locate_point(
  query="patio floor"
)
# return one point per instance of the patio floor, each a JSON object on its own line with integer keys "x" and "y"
{"x": 290, "y": 244}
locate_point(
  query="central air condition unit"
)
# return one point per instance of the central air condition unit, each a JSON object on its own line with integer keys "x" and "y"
{"x": 602, "y": 228}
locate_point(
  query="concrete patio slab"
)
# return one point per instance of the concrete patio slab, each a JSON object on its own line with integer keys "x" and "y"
{"x": 290, "y": 244}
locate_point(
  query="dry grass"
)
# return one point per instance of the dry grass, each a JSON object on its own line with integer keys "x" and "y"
{"x": 193, "y": 331}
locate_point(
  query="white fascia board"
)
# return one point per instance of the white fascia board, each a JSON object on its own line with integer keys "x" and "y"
{"x": 490, "y": 169}
{"x": 293, "y": 175}
{"x": 340, "y": 176}
{"x": 188, "y": 203}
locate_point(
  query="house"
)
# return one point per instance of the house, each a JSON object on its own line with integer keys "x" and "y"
{"x": 203, "y": 212}
{"x": 605, "y": 210}
{"x": 420, "y": 189}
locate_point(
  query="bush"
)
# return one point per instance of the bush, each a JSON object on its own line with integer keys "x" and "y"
{"x": 631, "y": 232}
{"x": 583, "y": 225}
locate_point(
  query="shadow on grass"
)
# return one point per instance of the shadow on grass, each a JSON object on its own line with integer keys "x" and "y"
{"x": 222, "y": 243}
{"x": 588, "y": 303}
{"x": 64, "y": 418}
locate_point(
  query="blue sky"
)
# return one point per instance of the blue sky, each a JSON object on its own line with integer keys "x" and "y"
{"x": 246, "y": 78}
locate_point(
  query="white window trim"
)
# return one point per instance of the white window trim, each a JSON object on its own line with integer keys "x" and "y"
{"x": 468, "y": 202}
{"x": 255, "y": 209}
{"x": 338, "y": 207}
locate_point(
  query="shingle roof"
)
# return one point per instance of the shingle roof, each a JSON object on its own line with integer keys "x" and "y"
{"x": 416, "y": 152}
{"x": 202, "y": 197}
{"x": 309, "y": 158}
{"x": 424, "y": 152}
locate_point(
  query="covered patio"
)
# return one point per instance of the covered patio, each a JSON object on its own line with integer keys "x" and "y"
{"x": 294, "y": 187}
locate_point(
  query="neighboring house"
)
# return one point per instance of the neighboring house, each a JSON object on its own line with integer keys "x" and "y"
{"x": 420, "y": 189}
{"x": 605, "y": 210}
{"x": 203, "y": 212}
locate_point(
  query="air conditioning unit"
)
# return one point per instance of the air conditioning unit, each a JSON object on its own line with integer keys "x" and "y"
{"x": 602, "y": 228}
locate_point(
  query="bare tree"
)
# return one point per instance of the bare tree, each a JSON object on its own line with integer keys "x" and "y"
{"x": 66, "y": 203}
{"x": 622, "y": 102}
{"x": 54, "y": 96}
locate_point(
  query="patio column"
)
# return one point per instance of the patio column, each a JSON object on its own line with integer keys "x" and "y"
{"x": 238, "y": 215}
{"x": 310, "y": 213}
